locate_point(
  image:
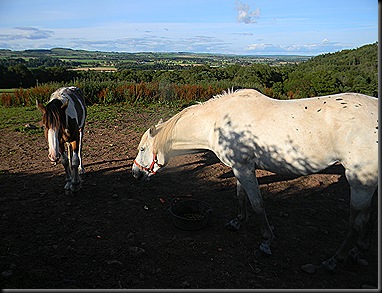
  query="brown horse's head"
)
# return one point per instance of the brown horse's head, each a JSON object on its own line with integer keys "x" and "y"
{"x": 54, "y": 122}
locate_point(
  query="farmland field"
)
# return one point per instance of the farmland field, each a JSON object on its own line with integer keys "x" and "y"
{"x": 117, "y": 232}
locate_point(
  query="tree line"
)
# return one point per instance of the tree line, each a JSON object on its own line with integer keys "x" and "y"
{"x": 353, "y": 70}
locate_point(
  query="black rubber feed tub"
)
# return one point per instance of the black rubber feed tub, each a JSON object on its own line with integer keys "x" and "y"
{"x": 190, "y": 214}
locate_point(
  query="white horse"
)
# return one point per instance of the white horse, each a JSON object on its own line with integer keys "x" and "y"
{"x": 248, "y": 130}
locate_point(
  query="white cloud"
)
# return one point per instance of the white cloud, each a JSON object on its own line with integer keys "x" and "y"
{"x": 153, "y": 43}
{"x": 311, "y": 48}
{"x": 29, "y": 33}
{"x": 244, "y": 14}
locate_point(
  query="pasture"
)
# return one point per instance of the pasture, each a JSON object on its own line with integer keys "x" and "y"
{"x": 117, "y": 232}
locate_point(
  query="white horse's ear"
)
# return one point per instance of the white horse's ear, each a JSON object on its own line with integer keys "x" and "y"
{"x": 40, "y": 107}
{"x": 159, "y": 122}
{"x": 153, "y": 131}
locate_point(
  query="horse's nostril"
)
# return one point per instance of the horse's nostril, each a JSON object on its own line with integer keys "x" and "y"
{"x": 137, "y": 174}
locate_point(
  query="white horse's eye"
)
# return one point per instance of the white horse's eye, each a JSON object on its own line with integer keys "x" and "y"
{"x": 141, "y": 149}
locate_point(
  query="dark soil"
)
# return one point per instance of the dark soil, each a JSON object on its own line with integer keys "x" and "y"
{"x": 117, "y": 232}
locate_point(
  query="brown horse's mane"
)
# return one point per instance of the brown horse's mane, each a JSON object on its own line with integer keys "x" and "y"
{"x": 54, "y": 116}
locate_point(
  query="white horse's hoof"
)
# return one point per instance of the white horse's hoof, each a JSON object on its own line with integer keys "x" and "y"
{"x": 68, "y": 192}
{"x": 264, "y": 247}
{"x": 354, "y": 256}
{"x": 330, "y": 264}
{"x": 233, "y": 225}
{"x": 309, "y": 268}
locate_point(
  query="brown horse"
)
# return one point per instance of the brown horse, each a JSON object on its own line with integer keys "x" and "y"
{"x": 64, "y": 120}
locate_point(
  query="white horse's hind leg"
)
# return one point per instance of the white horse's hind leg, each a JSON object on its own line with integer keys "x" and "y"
{"x": 365, "y": 238}
{"x": 363, "y": 243}
{"x": 248, "y": 180}
{"x": 359, "y": 221}
{"x": 241, "y": 209}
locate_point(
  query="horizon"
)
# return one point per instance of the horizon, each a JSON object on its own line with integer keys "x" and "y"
{"x": 165, "y": 52}
{"x": 232, "y": 27}
{"x": 185, "y": 52}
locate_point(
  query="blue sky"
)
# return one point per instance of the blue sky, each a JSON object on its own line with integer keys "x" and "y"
{"x": 259, "y": 27}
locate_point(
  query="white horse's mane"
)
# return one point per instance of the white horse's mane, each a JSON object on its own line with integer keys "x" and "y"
{"x": 218, "y": 96}
{"x": 165, "y": 129}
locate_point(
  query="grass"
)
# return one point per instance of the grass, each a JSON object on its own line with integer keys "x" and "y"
{"x": 15, "y": 118}
{"x": 111, "y": 115}
{"x": 8, "y": 90}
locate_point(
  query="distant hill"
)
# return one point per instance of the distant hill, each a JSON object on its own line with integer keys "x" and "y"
{"x": 347, "y": 70}
{"x": 148, "y": 60}
{"x": 366, "y": 55}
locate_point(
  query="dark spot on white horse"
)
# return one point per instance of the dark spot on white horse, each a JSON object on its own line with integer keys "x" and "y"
{"x": 318, "y": 110}
{"x": 306, "y": 107}
{"x": 325, "y": 102}
{"x": 339, "y": 99}
{"x": 343, "y": 103}
{"x": 344, "y": 106}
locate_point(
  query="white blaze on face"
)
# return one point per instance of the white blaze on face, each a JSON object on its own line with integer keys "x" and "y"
{"x": 54, "y": 152}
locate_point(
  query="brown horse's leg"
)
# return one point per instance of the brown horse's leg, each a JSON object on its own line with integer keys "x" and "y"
{"x": 75, "y": 186}
{"x": 81, "y": 168}
{"x": 66, "y": 163}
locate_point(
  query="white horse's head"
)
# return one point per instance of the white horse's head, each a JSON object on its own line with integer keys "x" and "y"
{"x": 149, "y": 159}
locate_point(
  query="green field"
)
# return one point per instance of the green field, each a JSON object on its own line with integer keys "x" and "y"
{"x": 144, "y": 59}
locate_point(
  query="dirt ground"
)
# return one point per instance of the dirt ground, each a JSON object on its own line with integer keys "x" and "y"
{"x": 117, "y": 232}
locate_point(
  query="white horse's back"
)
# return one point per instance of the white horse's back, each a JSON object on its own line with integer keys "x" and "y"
{"x": 296, "y": 136}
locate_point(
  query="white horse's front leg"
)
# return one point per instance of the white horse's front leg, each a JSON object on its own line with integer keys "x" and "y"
{"x": 241, "y": 217}
{"x": 248, "y": 180}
